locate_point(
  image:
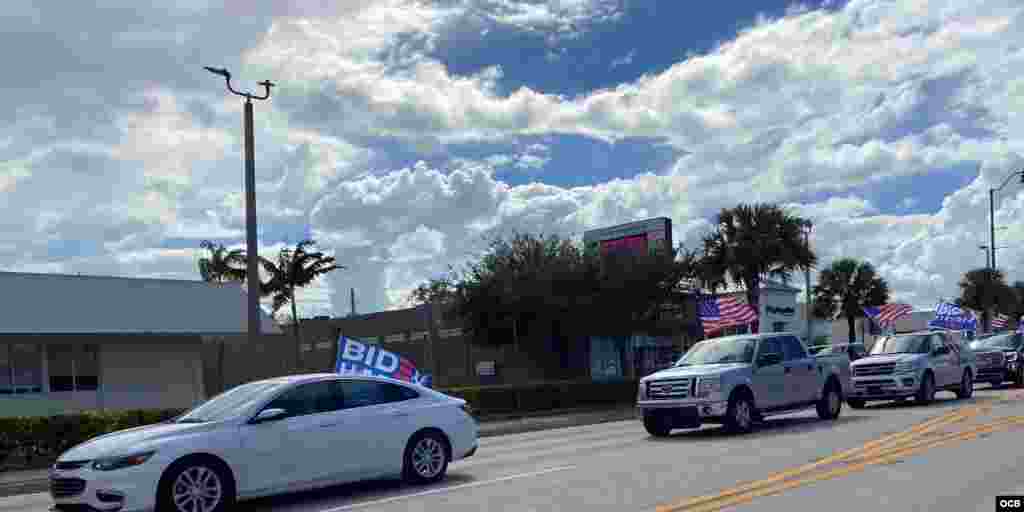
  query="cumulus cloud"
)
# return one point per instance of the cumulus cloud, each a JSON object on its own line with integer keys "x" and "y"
{"x": 117, "y": 143}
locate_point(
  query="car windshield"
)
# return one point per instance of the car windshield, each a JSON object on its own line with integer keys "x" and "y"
{"x": 914, "y": 344}
{"x": 1006, "y": 341}
{"x": 723, "y": 351}
{"x": 229, "y": 403}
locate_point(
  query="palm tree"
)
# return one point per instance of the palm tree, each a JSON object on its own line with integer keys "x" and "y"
{"x": 220, "y": 265}
{"x": 985, "y": 289}
{"x": 845, "y": 288}
{"x": 295, "y": 268}
{"x": 752, "y": 243}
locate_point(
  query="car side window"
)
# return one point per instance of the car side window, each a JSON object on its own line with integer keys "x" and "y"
{"x": 769, "y": 346}
{"x": 311, "y": 398}
{"x": 367, "y": 393}
{"x": 792, "y": 350}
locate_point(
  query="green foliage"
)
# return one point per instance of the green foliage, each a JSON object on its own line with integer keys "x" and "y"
{"x": 845, "y": 288}
{"x": 985, "y": 290}
{"x": 549, "y": 280}
{"x": 544, "y": 396}
{"x": 50, "y": 436}
{"x": 221, "y": 265}
{"x": 752, "y": 243}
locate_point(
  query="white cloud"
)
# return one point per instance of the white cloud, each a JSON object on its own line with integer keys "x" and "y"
{"x": 811, "y": 105}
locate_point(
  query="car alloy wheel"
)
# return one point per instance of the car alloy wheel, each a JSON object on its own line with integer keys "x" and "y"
{"x": 197, "y": 489}
{"x": 740, "y": 416}
{"x": 428, "y": 458}
{"x": 966, "y": 386}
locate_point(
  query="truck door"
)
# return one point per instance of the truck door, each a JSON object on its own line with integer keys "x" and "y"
{"x": 770, "y": 381}
{"x": 800, "y": 371}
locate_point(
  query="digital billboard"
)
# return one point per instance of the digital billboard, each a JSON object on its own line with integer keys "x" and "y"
{"x": 650, "y": 235}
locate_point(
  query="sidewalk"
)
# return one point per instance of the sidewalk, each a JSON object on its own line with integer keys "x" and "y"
{"x": 13, "y": 483}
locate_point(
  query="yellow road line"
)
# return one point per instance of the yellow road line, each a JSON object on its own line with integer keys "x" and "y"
{"x": 919, "y": 429}
{"x": 883, "y": 459}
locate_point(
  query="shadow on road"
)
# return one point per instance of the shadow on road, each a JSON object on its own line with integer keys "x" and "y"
{"x": 352, "y": 494}
{"x": 944, "y": 401}
{"x": 769, "y": 428}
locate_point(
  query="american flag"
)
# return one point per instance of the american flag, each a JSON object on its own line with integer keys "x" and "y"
{"x": 717, "y": 313}
{"x": 887, "y": 314}
{"x": 1000, "y": 321}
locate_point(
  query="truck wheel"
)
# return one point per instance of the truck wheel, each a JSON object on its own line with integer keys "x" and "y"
{"x": 656, "y": 425}
{"x": 739, "y": 418}
{"x": 855, "y": 403}
{"x": 966, "y": 386}
{"x": 926, "y": 394}
{"x": 831, "y": 403}
{"x": 1018, "y": 379}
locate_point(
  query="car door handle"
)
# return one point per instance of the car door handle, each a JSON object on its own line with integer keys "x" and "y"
{"x": 399, "y": 414}
{"x": 329, "y": 425}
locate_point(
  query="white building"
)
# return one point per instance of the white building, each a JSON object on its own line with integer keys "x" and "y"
{"x": 70, "y": 343}
{"x": 777, "y": 307}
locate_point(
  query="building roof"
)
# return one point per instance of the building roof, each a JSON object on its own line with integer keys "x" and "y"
{"x": 70, "y": 304}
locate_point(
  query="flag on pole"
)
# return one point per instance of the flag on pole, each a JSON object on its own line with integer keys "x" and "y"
{"x": 717, "y": 313}
{"x": 1000, "y": 321}
{"x": 886, "y": 315}
{"x": 951, "y": 316}
{"x": 357, "y": 357}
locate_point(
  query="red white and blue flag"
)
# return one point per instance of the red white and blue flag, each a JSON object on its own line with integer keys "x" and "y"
{"x": 717, "y": 313}
{"x": 361, "y": 358}
{"x": 886, "y": 315}
{"x": 1000, "y": 321}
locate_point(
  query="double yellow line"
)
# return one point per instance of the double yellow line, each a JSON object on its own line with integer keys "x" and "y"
{"x": 888, "y": 449}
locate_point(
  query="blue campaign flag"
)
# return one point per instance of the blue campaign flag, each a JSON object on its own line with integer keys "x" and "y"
{"x": 357, "y": 357}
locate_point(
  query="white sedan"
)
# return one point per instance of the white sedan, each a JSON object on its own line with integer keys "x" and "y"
{"x": 269, "y": 437}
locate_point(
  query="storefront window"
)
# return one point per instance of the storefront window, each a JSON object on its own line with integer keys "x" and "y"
{"x": 73, "y": 367}
{"x": 605, "y": 358}
{"x": 28, "y": 368}
{"x": 6, "y": 378}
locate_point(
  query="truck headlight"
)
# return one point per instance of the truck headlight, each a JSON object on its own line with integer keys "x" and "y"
{"x": 1011, "y": 356}
{"x": 708, "y": 386}
{"x": 641, "y": 392}
{"x": 905, "y": 367}
{"x": 126, "y": 461}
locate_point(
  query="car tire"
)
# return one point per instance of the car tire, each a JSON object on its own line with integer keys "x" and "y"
{"x": 966, "y": 389}
{"x": 426, "y": 458}
{"x": 656, "y": 426}
{"x": 831, "y": 403}
{"x": 209, "y": 480}
{"x": 855, "y": 403}
{"x": 1018, "y": 379}
{"x": 739, "y": 417}
{"x": 926, "y": 394}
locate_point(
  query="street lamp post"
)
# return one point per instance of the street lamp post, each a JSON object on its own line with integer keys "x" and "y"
{"x": 252, "y": 250}
{"x": 992, "y": 214}
{"x": 807, "y": 281}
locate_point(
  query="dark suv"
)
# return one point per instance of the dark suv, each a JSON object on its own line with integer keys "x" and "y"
{"x": 998, "y": 370}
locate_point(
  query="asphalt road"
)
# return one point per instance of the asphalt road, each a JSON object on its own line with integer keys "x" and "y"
{"x": 880, "y": 458}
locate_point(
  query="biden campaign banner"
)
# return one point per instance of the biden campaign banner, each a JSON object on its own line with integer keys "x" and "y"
{"x": 357, "y": 357}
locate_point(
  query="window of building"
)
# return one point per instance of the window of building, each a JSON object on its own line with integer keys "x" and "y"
{"x": 25, "y": 367}
{"x": 73, "y": 367}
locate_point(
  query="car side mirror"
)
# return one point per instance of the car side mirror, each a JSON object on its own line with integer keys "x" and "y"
{"x": 270, "y": 415}
{"x": 769, "y": 359}
{"x": 940, "y": 351}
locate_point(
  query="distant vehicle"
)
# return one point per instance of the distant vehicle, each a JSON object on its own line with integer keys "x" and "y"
{"x": 736, "y": 380}
{"x": 267, "y": 437}
{"x": 914, "y": 365}
{"x": 999, "y": 358}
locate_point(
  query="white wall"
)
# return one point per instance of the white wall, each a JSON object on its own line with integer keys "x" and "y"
{"x": 779, "y": 306}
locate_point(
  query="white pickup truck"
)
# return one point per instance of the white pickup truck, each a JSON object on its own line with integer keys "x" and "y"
{"x": 737, "y": 380}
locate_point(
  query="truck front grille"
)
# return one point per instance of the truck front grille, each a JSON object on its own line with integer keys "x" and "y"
{"x": 864, "y": 370}
{"x": 668, "y": 389}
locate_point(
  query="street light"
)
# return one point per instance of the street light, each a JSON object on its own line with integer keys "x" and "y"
{"x": 252, "y": 268}
{"x": 992, "y": 212}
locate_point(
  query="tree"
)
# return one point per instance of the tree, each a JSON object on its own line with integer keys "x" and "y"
{"x": 984, "y": 289}
{"x": 752, "y": 243}
{"x": 550, "y": 280}
{"x": 845, "y": 288}
{"x": 220, "y": 265}
{"x": 295, "y": 268}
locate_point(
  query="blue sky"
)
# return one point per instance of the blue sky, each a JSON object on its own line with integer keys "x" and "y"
{"x": 402, "y": 132}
